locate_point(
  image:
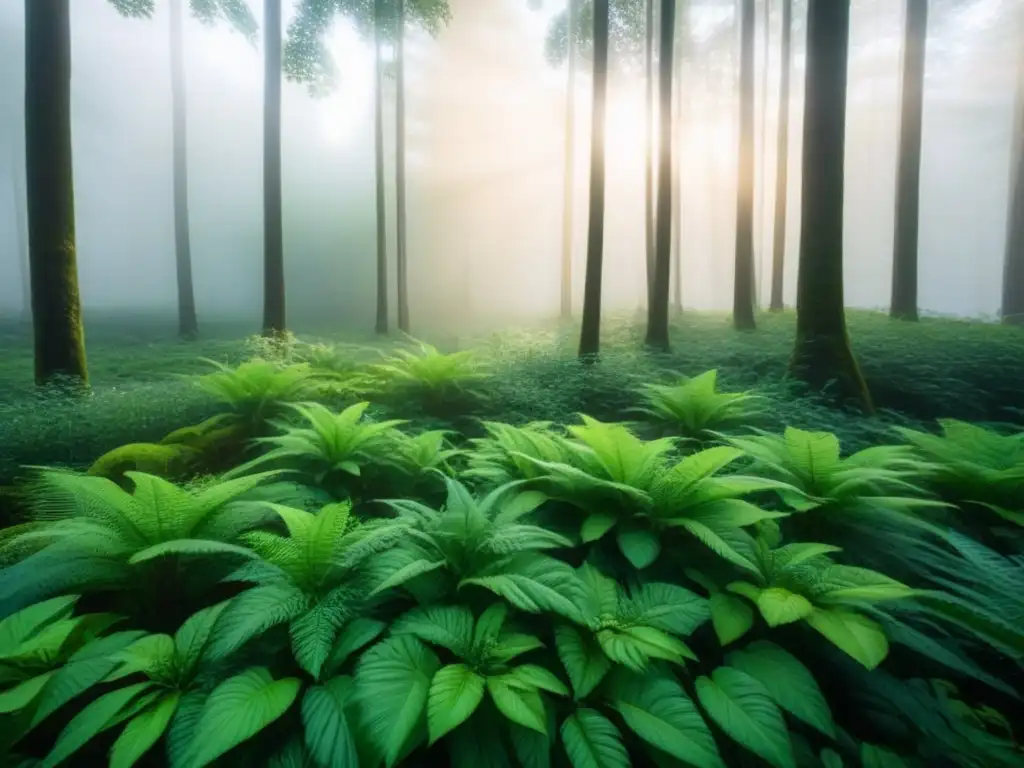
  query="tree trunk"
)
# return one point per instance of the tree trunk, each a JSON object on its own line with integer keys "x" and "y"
{"x": 401, "y": 265}
{"x": 822, "y": 355}
{"x": 743, "y": 282}
{"x": 903, "y": 304}
{"x": 762, "y": 187}
{"x": 188, "y": 324}
{"x": 677, "y": 132}
{"x": 570, "y": 176}
{"x": 657, "y": 312}
{"x": 378, "y": 128}
{"x": 782, "y": 162}
{"x": 649, "y": 235}
{"x": 273, "y": 227}
{"x": 18, "y": 199}
{"x": 590, "y": 332}
{"x": 56, "y": 306}
{"x": 1013, "y": 266}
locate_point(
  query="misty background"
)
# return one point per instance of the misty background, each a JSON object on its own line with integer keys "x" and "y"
{"x": 485, "y": 120}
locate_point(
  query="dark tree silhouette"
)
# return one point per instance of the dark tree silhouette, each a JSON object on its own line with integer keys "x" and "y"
{"x": 378, "y": 152}
{"x": 56, "y": 306}
{"x": 822, "y": 355}
{"x": 570, "y": 171}
{"x": 743, "y": 282}
{"x": 590, "y": 332}
{"x": 782, "y": 162}
{"x": 657, "y": 311}
{"x": 401, "y": 263}
{"x": 273, "y": 226}
{"x": 903, "y": 303}
{"x": 1013, "y": 266}
{"x": 650, "y": 246}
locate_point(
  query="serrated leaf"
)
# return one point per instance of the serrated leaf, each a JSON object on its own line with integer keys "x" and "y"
{"x": 313, "y": 633}
{"x": 790, "y": 684}
{"x": 450, "y": 626}
{"x": 143, "y": 731}
{"x": 779, "y": 606}
{"x": 591, "y": 740}
{"x": 856, "y": 635}
{"x": 511, "y": 645}
{"x": 582, "y": 658}
{"x": 640, "y": 547}
{"x": 668, "y": 607}
{"x": 252, "y": 613}
{"x": 354, "y": 635}
{"x": 731, "y": 617}
{"x": 596, "y": 526}
{"x": 745, "y": 711}
{"x": 407, "y": 573}
{"x": 455, "y": 693}
{"x": 520, "y": 706}
{"x": 488, "y": 625}
{"x": 238, "y": 709}
{"x": 328, "y": 734}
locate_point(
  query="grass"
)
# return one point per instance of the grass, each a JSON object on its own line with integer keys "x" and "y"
{"x": 917, "y": 372}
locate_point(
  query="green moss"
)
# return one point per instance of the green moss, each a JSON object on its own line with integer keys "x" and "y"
{"x": 168, "y": 461}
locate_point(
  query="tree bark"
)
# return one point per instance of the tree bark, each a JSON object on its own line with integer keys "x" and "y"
{"x": 761, "y": 184}
{"x": 743, "y": 282}
{"x": 570, "y": 165}
{"x": 822, "y": 355}
{"x": 1012, "y": 308}
{"x": 378, "y": 149}
{"x": 19, "y": 201}
{"x": 657, "y": 312}
{"x": 649, "y": 235}
{"x": 903, "y": 304}
{"x": 273, "y": 227}
{"x": 590, "y": 332}
{"x": 56, "y": 305}
{"x": 188, "y": 323}
{"x": 782, "y": 162}
{"x": 401, "y": 265}
{"x": 677, "y": 132}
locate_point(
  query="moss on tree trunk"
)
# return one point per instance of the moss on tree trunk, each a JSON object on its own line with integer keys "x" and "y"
{"x": 56, "y": 306}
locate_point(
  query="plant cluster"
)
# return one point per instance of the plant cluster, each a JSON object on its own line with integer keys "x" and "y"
{"x": 541, "y": 596}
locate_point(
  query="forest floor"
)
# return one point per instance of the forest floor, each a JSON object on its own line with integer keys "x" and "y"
{"x": 142, "y": 388}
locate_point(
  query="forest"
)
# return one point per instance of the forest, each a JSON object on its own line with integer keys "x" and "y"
{"x": 512, "y": 383}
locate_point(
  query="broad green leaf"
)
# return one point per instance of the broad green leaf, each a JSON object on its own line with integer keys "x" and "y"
{"x": 656, "y": 709}
{"x": 450, "y": 626}
{"x": 195, "y": 547}
{"x": 830, "y": 758}
{"x": 191, "y": 639}
{"x": 582, "y": 658}
{"x": 253, "y": 612}
{"x": 313, "y": 633}
{"x": 18, "y": 627}
{"x": 596, "y": 526}
{"x": 328, "y": 733}
{"x": 23, "y": 693}
{"x": 520, "y": 706}
{"x": 640, "y": 547}
{"x": 143, "y": 731}
{"x": 479, "y": 744}
{"x": 789, "y": 683}
{"x": 872, "y": 756}
{"x": 855, "y": 635}
{"x": 455, "y": 693}
{"x": 532, "y": 676}
{"x": 511, "y": 645}
{"x": 181, "y": 732}
{"x": 152, "y": 655}
{"x": 354, "y": 635}
{"x": 534, "y": 583}
{"x": 779, "y": 606}
{"x": 668, "y": 607}
{"x": 238, "y": 709}
{"x": 407, "y": 573}
{"x": 395, "y": 676}
{"x": 92, "y": 720}
{"x": 592, "y": 741}
{"x": 744, "y": 710}
{"x": 489, "y": 623}
{"x": 731, "y": 617}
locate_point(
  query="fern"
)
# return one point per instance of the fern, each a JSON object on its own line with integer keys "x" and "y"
{"x": 693, "y": 407}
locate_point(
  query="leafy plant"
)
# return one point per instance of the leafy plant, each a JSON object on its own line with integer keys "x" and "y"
{"x": 693, "y": 408}
{"x": 509, "y": 452}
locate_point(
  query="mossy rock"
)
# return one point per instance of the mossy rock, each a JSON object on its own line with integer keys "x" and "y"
{"x": 200, "y": 436}
{"x": 168, "y": 461}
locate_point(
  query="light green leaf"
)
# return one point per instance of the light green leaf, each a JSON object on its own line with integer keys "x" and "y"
{"x": 195, "y": 547}
{"x": 23, "y": 693}
{"x": 854, "y": 634}
{"x": 640, "y": 547}
{"x": 780, "y": 606}
{"x": 328, "y": 734}
{"x": 238, "y": 709}
{"x": 143, "y": 731}
{"x": 354, "y": 635}
{"x": 152, "y": 655}
{"x": 407, "y": 573}
{"x": 488, "y": 625}
{"x": 596, "y": 526}
{"x": 450, "y": 626}
{"x": 745, "y": 711}
{"x": 656, "y": 709}
{"x": 455, "y": 693}
{"x": 191, "y": 639}
{"x": 872, "y": 756}
{"x": 532, "y": 677}
{"x": 313, "y": 633}
{"x": 668, "y": 607}
{"x": 533, "y": 583}
{"x": 253, "y": 612}
{"x": 511, "y": 645}
{"x": 592, "y": 741}
{"x": 18, "y": 627}
{"x": 520, "y": 706}
{"x": 787, "y": 681}
{"x": 731, "y": 617}
{"x": 582, "y": 658}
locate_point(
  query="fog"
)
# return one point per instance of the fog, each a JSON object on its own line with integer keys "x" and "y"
{"x": 485, "y": 137}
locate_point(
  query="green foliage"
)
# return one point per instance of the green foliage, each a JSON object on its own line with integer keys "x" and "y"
{"x": 693, "y": 408}
{"x": 168, "y": 461}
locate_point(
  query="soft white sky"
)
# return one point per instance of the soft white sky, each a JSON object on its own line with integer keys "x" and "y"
{"x": 485, "y": 150}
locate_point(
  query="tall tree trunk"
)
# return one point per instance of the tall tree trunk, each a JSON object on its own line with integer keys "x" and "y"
{"x": 401, "y": 265}
{"x": 188, "y": 324}
{"x": 822, "y": 353}
{"x": 19, "y": 201}
{"x": 56, "y": 306}
{"x": 273, "y": 227}
{"x": 743, "y": 282}
{"x": 677, "y": 214}
{"x": 903, "y": 304}
{"x": 590, "y": 332}
{"x": 1012, "y": 310}
{"x": 570, "y": 166}
{"x": 657, "y": 312}
{"x": 782, "y": 161}
{"x": 378, "y": 150}
{"x": 649, "y": 236}
{"x": 762, "y": 186}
